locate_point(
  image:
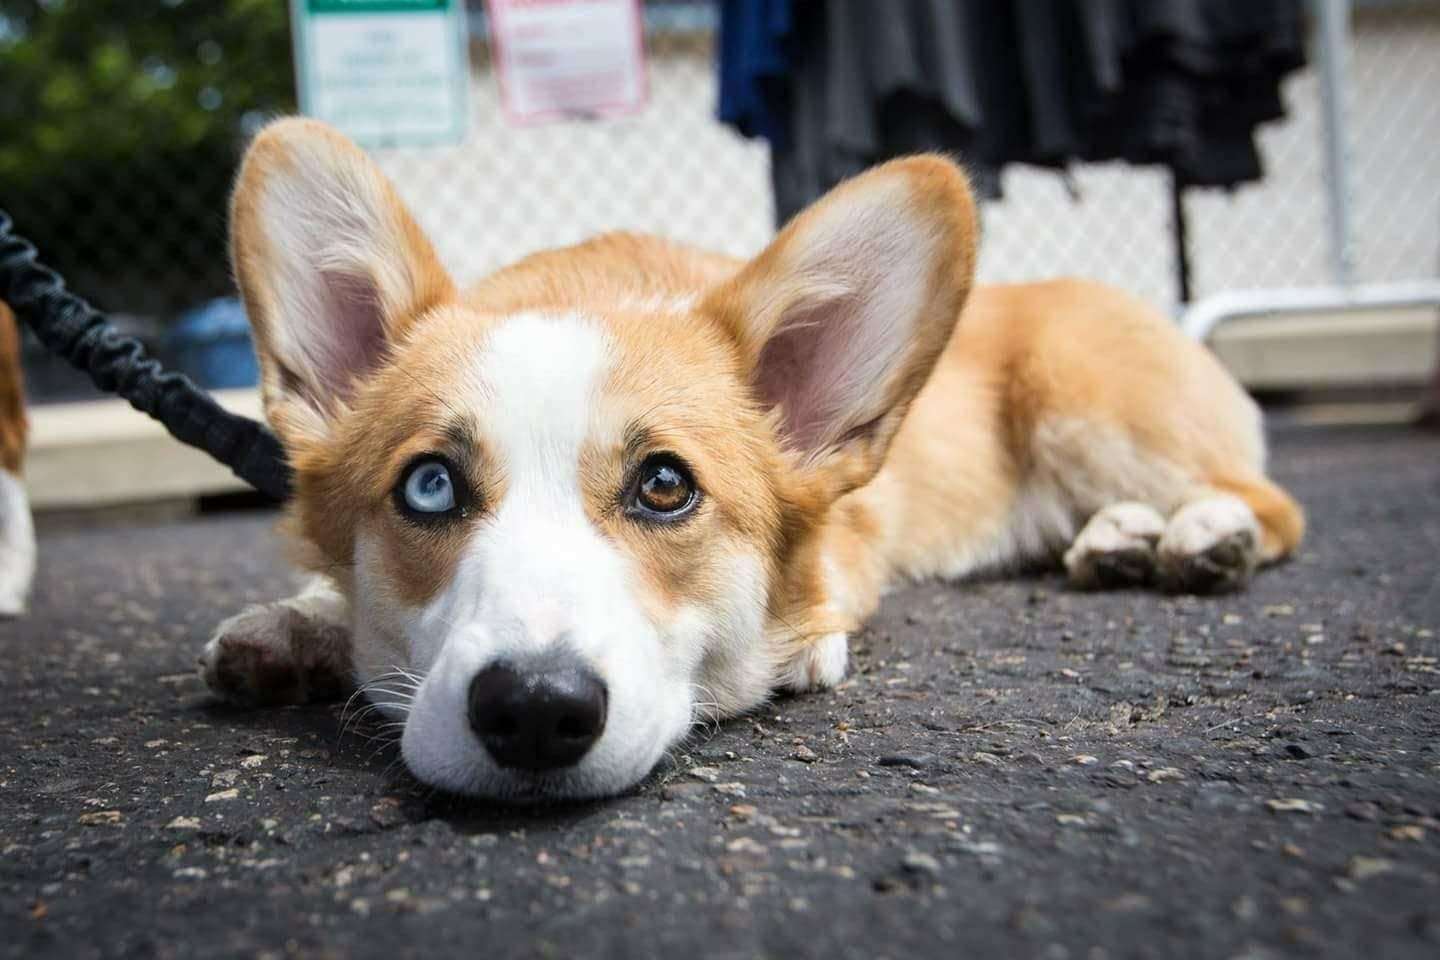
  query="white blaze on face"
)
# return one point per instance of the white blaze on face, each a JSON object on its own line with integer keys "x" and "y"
{"x": 537, "y": 573}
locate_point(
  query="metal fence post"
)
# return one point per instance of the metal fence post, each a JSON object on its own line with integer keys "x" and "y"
{"x": 1334, "y": 23}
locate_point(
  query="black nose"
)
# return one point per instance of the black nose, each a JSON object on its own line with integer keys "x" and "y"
{"x": 537, "y": 719}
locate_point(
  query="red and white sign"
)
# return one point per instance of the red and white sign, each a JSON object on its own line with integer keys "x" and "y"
{"x": 568, "y": 59}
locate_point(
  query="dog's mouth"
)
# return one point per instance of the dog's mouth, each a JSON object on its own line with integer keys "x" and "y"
{"x": 566, "y": 743}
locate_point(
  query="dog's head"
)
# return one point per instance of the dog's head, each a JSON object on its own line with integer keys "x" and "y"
{"x": 574, "y": 515}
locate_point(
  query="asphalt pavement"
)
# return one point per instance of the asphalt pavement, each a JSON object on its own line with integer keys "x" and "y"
{"x": 1012, "y": 770}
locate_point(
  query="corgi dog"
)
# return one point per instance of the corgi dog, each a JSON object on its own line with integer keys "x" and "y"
{"x": 17, "y": 530}
{"x": 618, "y": 488}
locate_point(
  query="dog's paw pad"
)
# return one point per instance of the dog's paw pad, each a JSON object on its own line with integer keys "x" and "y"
{"x": 1116, "y": 549}
{"x": 1210, "y": 546}
{"x": 817, "y": 665}
{"x": 271, "y": 655}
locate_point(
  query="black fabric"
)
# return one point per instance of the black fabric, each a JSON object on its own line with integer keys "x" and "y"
{"x": 71, "y": 328}
{"x": 1182, "y": 83}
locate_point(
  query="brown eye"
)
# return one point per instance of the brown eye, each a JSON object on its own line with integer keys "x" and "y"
{"x": 665, "y": 490}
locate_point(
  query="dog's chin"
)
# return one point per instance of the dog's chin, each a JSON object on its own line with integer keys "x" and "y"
{"x": 479, "y": 779}
{"x": 526, "y": 790}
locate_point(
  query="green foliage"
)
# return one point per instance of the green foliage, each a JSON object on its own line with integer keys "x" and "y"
{"x": 123, "y": 121}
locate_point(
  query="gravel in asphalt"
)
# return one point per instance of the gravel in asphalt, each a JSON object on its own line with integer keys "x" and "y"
{"x": 1011, "y": 770}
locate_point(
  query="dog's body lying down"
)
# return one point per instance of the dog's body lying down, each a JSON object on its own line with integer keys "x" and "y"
{"x": 623, "y": 486}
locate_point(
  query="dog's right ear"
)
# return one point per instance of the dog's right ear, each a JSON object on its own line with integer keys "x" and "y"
{"x": 332, "y": 269}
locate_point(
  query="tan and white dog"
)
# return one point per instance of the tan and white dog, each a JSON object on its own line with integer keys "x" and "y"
{"x": 621, "y": 487}
{"x": 17, "y": 530}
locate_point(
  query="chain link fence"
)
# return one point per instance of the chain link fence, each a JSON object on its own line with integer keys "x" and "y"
{"x": 671, "y": 169}
{"x": 151, "y": 243}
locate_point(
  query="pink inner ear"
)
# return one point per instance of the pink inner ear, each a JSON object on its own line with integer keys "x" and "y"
{"x": 823, "y": 369}
{"x": 351, "y": 340}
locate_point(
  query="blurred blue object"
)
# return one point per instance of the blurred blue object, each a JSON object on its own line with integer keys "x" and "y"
{"x": 756, "y": 56}
{"x": 210, "y": 343}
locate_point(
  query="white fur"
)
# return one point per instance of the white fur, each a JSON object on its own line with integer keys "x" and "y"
{"x": 535, "y": 573}
{"x": 862, "y": 271}
{"x": 835, "y": 312}
{"x": 538, "y": 573}
{"x": 658, "y": 303}
{"x": 1092, "y": 466}
{"x": 1128, "y": 528}
{"x": 329, "y": 221}
{"x": 1210, "y": 544}
{"x": 1042, "y": 517}
{"x": 17, "y": 545}
{"x": 265, "y": 628}
{"x": 1078, "y": 468}
{"x": 723, "y": 646}
{"x": 818, "y": 665}
{"x": 1198, "y": 526}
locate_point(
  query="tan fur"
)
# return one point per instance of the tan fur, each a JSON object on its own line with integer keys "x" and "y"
{"x": 988, "y": 443}
{"x": 680, "y": 378}
{"x": 410, "y": 279}
{"x": 12, "y": 395}
{"x": 1067, "y": 384}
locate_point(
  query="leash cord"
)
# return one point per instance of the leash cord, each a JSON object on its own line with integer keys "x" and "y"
{"x": 71, "y": 328}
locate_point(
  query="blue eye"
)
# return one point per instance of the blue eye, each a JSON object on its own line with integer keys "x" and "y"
{"x": 427, "y": 488}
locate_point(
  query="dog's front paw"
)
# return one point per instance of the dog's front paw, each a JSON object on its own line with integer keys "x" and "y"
{"x": 1209, "y": 546}
{"x": 17, "y": 546}
{"x": 13, "y": 591}
{"x": 276, "y": 654}
{"x": 817, "y": 665}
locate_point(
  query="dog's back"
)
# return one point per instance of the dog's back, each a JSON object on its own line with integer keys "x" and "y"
{"x": 17, "y": 535}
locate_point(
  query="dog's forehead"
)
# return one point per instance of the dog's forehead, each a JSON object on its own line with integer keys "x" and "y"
{"x": 599, "y": 373}
{"x": 540, "y": 374}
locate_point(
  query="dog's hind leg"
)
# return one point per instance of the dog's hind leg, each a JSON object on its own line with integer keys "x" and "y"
{"x": 1216, "y": 540}
{"x": 292, "y": 651}
{"x": 1116, "y": 548}
{"x": 1211, "y": 543}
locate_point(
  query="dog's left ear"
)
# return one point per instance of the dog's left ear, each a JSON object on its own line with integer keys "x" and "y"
{"x": 842, "y": 318}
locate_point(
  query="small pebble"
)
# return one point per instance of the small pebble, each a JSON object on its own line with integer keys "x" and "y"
{"x": 919, "y": 761}
{"x": 1366, "y": 811}
{"x": 1363, "y": 868}
{"x": 108, "y": 818}
{"x": 916, "y": 862}
{"x": 1292, "y": 805}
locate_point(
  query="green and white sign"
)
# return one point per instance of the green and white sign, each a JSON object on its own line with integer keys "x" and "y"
{"x": 387, "y": 72}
